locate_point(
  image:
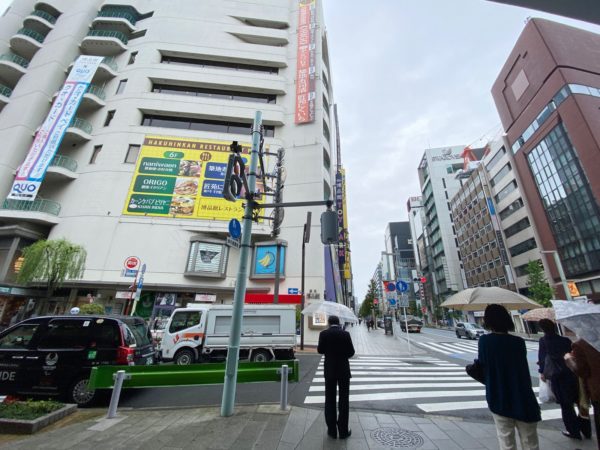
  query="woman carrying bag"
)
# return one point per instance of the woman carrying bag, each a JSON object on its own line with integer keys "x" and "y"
{"x": 563, "y": 382}
{"x": 508, "y": 391}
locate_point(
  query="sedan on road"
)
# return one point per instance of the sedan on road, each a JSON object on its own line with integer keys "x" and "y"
{"x": 468, "y": 330}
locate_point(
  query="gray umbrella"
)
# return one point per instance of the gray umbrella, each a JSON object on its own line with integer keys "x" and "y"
{"x": 476, "y": 299}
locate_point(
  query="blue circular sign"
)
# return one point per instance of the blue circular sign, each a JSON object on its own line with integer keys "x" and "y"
{"x": 401, "y": 286}
{"x": 392, "y": 301}
{"x": 235, "y": 228}
{"x": 390, "y": 287}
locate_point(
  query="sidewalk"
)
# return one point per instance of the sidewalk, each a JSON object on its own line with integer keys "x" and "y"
{"x": 265, "y": 427}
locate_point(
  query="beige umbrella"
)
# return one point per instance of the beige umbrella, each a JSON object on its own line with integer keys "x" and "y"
{"x": 476, "y": 299}
{"x": 535, "y": 315}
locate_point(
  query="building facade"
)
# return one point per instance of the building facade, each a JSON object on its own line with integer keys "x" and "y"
{"x": 176, "y": 85}
{"x": 548, "y": 95}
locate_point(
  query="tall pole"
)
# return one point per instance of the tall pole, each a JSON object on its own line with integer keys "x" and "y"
{"x": 305, "y": 240}
{"x": 277, "y": 274}
{"x": 233, "y": 349}
{"x": 561, "y": 272}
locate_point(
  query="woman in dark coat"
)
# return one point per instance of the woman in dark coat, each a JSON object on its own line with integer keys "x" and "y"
{"x": 563, "y": 381}
{"x": 508, "y": 388}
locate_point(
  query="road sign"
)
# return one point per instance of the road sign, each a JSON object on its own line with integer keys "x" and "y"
{"x": 403, "y": 302}
{"x": 235, "y": 228}
{"x": 390, "y": 287}
{"x": 401, "y": 286}
{"x": 424, "y": 310}
{"x": 392, "y": 301}
{"x": 236, "y": 243}
{"x": 293, "y": 291}
{"x": 129, "y": 273}
{"x": 131, "y": 263}
{"x": 375, "y": 301}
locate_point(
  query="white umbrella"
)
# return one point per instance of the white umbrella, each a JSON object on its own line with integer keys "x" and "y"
{"x": 582, "y": 318}
{"x": 331, "y": 309}
{"x": 476, "y": 299}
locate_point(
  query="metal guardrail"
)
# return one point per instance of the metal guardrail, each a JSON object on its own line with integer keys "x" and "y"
{"x": 64, "y": 161}
{"x": 37, "y": 205}
{"x": 98, "y": 91}
{"x": 44, "y": 15}
{"x": 16, "y": 59}
{"x": 32, "y": 34}
{"x": 111, "y": 62}
{"x": 118, "y": 14}
{"x": 5, "y": 90}
{"x": 193, "y": 374}
{"x": 82, "y": 124}
{"x": 112, "y": 34}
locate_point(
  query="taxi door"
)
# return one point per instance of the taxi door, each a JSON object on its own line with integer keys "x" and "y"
{"x": 16, "y": 353}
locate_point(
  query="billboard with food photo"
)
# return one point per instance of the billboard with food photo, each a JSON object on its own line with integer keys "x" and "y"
{"x": 183, "y": 178}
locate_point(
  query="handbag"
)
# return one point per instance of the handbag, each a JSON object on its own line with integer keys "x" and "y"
{"x": 475, "y": 371}
{"x": 546, "y": 395}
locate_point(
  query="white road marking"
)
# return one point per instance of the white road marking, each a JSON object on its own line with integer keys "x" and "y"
{"x": 354, "y": 379}
{"x": 370, "y": 387}
{"x": 400, "y": 395}
{"x": 391, "y": 372}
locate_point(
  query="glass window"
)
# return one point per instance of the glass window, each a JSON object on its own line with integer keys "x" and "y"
{"x": 66, "y": 333}
{"x": 496, "y": 158}
{"x": 109, "y": 117}
{"x": 140, "y": 331}
{"x": 501, "y": 174}
{"x": 219, "y": 64}
{"x": 121, "y": 87}
{"x": 505, "y": 191}
{"x": 132, "y": 154}
{"x": 132, "y": 58}
{"x": 207, "y": 258}
{"x": 184, "y": 319}
{"x": 95, "y": 153}
{"x": 20, "y": 337}
{"x": 106, "y": 335}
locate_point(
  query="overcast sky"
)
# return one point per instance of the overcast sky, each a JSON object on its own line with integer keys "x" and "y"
{"x": 409, "y": 75}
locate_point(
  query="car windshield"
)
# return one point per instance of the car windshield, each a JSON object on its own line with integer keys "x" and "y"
{"x": 474, "y": 326}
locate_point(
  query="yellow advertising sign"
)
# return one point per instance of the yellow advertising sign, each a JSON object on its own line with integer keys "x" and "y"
{"x": 182, "y": 178}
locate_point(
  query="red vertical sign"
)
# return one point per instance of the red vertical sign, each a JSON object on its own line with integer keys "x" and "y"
{"x": 306, "y": 62}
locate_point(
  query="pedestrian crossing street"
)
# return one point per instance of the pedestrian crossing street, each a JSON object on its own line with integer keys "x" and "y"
{"x": 422, "y": 381}
{"x": 452, "y": 348}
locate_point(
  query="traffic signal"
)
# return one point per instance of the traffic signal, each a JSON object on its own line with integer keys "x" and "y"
{"x": 235, "y": 175}
{"x": 329, "y": 227}
{"x": 421, "y": 280}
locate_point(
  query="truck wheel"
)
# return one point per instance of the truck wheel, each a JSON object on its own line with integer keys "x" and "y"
{"x": 80, "y": 394}
{"x": 260, "y": 356}
{"x": 184, "y": 357}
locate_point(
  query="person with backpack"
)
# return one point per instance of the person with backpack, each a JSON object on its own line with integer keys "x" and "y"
{"x": 563, "y": 382}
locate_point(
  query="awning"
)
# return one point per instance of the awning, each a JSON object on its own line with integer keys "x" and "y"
{"x": 284, "y": 299}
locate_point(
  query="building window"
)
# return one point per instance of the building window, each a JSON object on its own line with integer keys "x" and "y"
{"x": 496, "y": 158}
{"x": 510, "y": 187}
{"x": 326, "y": 191}
{"x": 570, "y": 207}
{"x": 214, "y": 93}
{"x": 109, "y": 117}
{"x": 207, "y": 259}
{"x": 219, "y": 64}
{"x": 95, "y": 153}
{"x": 326, "y": 159}
{"x": 501, "y": 174}
{"x": 326, "y": 133}
{"x": 510, "y": 209}
{"x": 132, "y": 58}
{"x": 184, "y": 123}
{"x": 121, "y": 86}
{"x": 519, "y": 226}
{"x": 132, "y": 153}
{"x": 522, "y": 247}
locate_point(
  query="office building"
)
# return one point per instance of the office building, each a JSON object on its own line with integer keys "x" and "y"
{"x": 137, "y": 178}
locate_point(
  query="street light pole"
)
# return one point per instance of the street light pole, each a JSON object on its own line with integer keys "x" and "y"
{"x": 561, "y": 272}
{"x": 305, "y": 240}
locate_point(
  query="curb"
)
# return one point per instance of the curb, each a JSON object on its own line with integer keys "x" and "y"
{"x": 19, "y": 426}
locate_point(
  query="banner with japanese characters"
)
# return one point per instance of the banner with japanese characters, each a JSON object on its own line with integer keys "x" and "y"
{"x": 306, "y": 62}
{"x": 183, "y": 178}
{"x": 47, "y": 139}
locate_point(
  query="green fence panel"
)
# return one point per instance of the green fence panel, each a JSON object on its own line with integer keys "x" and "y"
{"x": 194, "y": 374}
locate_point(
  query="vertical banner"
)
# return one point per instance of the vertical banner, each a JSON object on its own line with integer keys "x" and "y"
{"x": 47, "y": 140}
{"x": 306, "y": 62}
{"x": 339, "y": 206}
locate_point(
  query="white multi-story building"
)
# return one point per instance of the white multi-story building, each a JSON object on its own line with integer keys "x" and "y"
{"x": 137, "y": 172}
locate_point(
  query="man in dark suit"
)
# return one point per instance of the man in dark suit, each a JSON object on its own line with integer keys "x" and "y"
{"x": 336, "y": 345}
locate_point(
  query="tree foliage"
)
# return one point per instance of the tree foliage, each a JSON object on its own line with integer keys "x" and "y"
{"x": 91, "y": 309}
{"x": 367, "y": 305}
{"x": 539, "y": 288}
{"x": 52, "y": 262}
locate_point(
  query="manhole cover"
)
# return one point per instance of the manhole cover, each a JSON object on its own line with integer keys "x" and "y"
{"x": 397, "y": 437}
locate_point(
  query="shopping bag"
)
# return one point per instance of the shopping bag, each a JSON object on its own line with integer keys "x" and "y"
{"x": 546, "y": 395}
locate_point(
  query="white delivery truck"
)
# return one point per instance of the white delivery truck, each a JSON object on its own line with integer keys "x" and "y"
{"x": 200, "y": 333}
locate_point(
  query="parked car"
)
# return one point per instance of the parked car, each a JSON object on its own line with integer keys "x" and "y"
{"x": 468, "y": 330}
{"x": 53, "y": 356}
{"x": 414, "y": 324}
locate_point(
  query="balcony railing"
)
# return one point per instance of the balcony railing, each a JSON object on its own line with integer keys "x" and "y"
{"x": 64, "y": 162}
{"x": 116, "y": 13}
{"x": 109, "y": 34}
{"x": 37, "y": 205}
{"x": 111, "y": 62}
{"x": 5, "y": 91}
{"x": 97, "y": 91}
{"x": 81, "y": 124}
{"x": 32, "y": 34}
{"x": 44, "y": 15}
{"x": 15, "y": 59}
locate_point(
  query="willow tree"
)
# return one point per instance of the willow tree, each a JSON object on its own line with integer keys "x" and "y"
{"x": 50, "y": 263}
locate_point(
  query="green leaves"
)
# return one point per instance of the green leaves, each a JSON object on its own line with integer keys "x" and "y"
{"x": 52, "y": 262}
{"x": 539, "y": 288}
{"x": 367, "y": 305}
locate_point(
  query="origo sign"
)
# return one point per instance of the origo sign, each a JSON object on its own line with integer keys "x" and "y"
{"x": 182, "y": 178}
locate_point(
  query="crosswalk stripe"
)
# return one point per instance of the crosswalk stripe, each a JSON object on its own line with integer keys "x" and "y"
{"x": 370, "y": 387}
{"x": 457, "y": 377}
{"x": 458, "y": 348}
{"x": 370, "y": 372}
{"x": 432, "y": 346}
{"x": 400, "y": 395}
{"x": 435, "y": 369}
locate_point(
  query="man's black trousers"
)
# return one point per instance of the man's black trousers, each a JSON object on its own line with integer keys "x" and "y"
{"x": 331, "y": 420}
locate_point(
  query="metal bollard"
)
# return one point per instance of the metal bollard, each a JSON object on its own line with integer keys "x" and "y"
{"x": 116, "y": 393}
{"x": 284, "y": 387}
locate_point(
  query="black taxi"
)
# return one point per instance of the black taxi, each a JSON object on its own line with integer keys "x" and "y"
{"x": 53, "y": 356}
